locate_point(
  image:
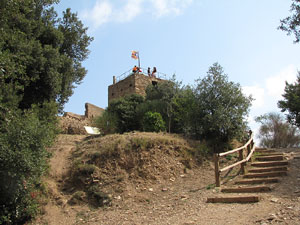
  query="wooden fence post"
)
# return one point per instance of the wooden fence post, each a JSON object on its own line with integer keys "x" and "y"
{"x": 241, "y": 157}
{"x": 217, "y": 169}
{"x": 249, "y": 151}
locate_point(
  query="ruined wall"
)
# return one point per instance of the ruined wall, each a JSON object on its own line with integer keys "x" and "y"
{"x": 133, "y": 84}
{"x": 71, "y": 123}
{"x": 92, "y": 111}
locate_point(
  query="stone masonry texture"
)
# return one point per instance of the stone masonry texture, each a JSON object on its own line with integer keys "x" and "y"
{"x": 133, "y": 84}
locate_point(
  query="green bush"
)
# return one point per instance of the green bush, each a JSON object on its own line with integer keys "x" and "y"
{"x": 23, "y": 159}
{"x": 107, "y": 123}
{"x": 153, "y": 122}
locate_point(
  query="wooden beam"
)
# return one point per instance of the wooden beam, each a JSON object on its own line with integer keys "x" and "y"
{"x": 266, "y": 174}
{"x": 270, "y": 164}
{"x": 258, "y": 181}
{"x": 269, "y": 158}
{"x": 237, "y": 199}
{"x": 267, "y": 169}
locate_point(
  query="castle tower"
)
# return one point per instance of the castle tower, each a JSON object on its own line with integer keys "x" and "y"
{"x": 133, "y": 84}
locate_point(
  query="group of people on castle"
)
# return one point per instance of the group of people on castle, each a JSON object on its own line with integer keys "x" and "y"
{"x": 136, "y": 69}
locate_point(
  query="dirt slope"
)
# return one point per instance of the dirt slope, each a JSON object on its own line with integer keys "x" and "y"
{"x": 179, "y": 198}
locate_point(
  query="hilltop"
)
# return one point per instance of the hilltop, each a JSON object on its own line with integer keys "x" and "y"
{"x": 148, "y": 178}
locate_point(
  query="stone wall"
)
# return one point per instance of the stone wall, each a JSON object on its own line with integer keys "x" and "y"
{"x": 71, "y": 123}
{"x": 133, "y": 84}
{"x": 92, "y": 111}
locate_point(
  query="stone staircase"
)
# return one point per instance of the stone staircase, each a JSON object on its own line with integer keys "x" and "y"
{"x": 268, "y": 168}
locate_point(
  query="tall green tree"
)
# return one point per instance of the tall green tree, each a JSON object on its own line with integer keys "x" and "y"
{"x": 291, "y": 24}
{"x": 220, "y": 110}
{"x": 274, "y": 132}
{"x": 40, "y": 65}
{"x": 40, "y": 53}
{"x": 160, "y": 98}
{"x": 291, "y": 102}
{"x": 184, "y": 105}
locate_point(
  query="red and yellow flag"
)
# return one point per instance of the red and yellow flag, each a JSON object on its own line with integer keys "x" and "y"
{"x": 134, "y": 54}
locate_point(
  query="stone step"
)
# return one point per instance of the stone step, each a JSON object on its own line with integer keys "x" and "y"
{"x": 258, "y": 181}
{"x": 269, "y": 164}
{"x": 266, "y": 174}
{"x": 269, "y": 158}
{"x": 246, "y": 189}
{"x": 234, "y": 199}
{"x": 267, "y": 169}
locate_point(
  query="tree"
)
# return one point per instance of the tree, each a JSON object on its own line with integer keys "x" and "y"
{"x": 291, "y": 24}
{"x": 153, "y": 122}
{"x": 274, "y": 132}
{"x": 124, "y": 111}
{"x": 291, "y": 102}
{"x": 162, "y": 96}
{"x": 24, "y": 137}
{"x": 184, "y": 105}
{"x": 40, "y": 54}
{"x": 220, "y": 109}
{"x": 107, "y": 123}
{"x": 40, "y": 64}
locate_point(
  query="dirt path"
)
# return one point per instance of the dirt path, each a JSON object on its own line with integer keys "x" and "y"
{"x": 181, "y": 200}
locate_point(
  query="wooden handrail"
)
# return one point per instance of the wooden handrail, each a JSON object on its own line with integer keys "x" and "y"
{"x": 237, "y": 149}
{"x": 249, "y": 146}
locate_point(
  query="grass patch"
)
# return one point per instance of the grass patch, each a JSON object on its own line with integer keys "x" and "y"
{"x": 210, "y": 186}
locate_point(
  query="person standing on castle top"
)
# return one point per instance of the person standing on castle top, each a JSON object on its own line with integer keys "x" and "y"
{"x": 154, "y": 71}
{"x": 135, "y": 69}
{"x": 149, "y": 72}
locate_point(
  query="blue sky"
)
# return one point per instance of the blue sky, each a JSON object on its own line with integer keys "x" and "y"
{"x": 186, "y": 37}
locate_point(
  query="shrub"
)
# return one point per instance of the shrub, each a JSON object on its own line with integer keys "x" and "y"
{"x": 153, "y": 122}
{"x": 23, "y": 141}
{"x": 107, "y": 123}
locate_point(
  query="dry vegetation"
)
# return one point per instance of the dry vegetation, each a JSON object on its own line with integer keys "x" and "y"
{"x": 110, "y": 165}
{"x": 144, "y": 178}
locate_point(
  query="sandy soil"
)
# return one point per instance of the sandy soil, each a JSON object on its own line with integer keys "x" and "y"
{"x": 180, "y": 200}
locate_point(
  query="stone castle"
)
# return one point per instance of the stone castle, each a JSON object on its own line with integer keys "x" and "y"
{"x": 133, "y": 83}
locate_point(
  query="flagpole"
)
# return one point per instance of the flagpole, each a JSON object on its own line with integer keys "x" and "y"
{"x": 139, "y": 60}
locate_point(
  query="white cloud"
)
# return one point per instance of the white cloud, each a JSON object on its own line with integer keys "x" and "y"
{"x": 104, "y": 11}
{"x": 275, "y": 84}
{"x": 131, "y": 10}
{"x": 100, "y": 14}
{"x": 257, "y": 94}
{"x": 166, "y": 7}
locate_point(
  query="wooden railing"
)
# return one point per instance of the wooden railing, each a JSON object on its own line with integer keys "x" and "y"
{"x": 249, "y": 147}
{"x": 124, "y": 75}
